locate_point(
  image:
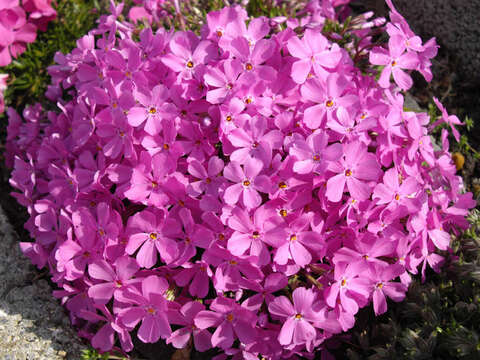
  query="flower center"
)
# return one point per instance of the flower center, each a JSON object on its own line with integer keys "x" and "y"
{"x": 230, "y": 317}
{"x": 228, "y": 118}
{"x": 329, "y": 103}
{"x": 283, "y": 213}
{"x": 348, "y": 172}
{"x": 152, "y": 110}
{"x": 190, "y": 64}
{"x": 255, "y": 144}
{"x": 246, "y": 183}
{"x": 208, "y": 180}
{"x": 154, "y": 184}
{"x": 394, "y": 63}
{"x": 221, "y": 237}
{"x": 256, "y": 235}
{"x": 379, "y": 285}
{"x": 153, "y": 236}
{"x": 293, "y": 238}
{"x": 397, "y": 197}
{"x": 316, "y": 157}
{"x": 151, "y": 310}
{"x": 118, "y": 284}
{"x": 298, "y": 316}
{"x": 344, "y": 282}
{"x": 249, "y": 67}
{"x": 282, "y": 185}
{"x": 166, "y": 146}
{"x": 233, "y": 262}
{"x": 219, "y": 33}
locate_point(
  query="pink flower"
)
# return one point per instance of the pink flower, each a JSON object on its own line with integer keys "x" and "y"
{"x": 357, "y": 165}
{"x": 230, "y": 320}
{"x": 313, "y": 155}
{"x": 450, "y": 120}
{"x": 148, "y": 306}
{"x": 248, "y": 183}
{"x": 297, "y": 328}
{"x": 313, "y": 52}
{"x": 180, "y": 337}
{"x": 151, "y": 233}
{"x": 114, "y": 280}
{"x": 395, "y": 60}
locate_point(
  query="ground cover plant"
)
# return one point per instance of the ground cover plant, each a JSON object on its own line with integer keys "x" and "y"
{"x": 248, "y": 187}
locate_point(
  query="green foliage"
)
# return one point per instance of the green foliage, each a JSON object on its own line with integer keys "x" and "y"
{"x": 91, "y": 354}
{"x": 28, "y": 74}
{"x": 439, "y": 319}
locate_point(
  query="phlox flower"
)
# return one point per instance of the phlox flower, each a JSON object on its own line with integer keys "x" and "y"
{"x": 357, "y": 166}
{"x": 450, "y": 120}
{"x": 230, "y": 320}
{"x": 328, "y": 96}
{"x": 313, "y": 155}
{"x": 149, "y": 306}
{"x": 151, "y": 233}
{"x": 313, "y": 51}
{"x": 114, "y": 278}
{"x": 395, "y": 60}
{"x": 299, "y": 316}
{"x": 186, "y": 318}
{"x": 248, "y": 181}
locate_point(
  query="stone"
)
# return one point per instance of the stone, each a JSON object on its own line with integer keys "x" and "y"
{"x": 454, "y": 23}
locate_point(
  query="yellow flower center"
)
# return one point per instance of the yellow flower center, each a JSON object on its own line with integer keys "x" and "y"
{"x": 153, "y": 236}
{"x": 283, "y": 212}
{"x": 246, "y": 183}
{"x": 316, "y": 157}
{"x": 230, "y": 317}
{"x": 293, "y": 237}
{"x": 344, "y": 282}
{"x": 152, "y": 110}
{"x": 249, "y": 67}
{"x": 348, "y": 172}
{"x": 298, "y": 316}
{"x": 190, "y": 64}
{"x": 282, "y": 185}
{"x": 329, "y": 103}
{"x": 256, "y": 235}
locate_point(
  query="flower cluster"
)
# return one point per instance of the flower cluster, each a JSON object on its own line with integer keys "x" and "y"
{"x": 250, "y": 188}
{"x": 19, "y": 24}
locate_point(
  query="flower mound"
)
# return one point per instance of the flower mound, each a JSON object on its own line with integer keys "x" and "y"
{"x": 250, "y": 188}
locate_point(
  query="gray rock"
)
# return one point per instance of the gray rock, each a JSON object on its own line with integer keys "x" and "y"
{"x": 33, "y": 325}
{"x": 453, "y": 22}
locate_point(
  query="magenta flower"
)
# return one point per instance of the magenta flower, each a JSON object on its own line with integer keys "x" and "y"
{"x": 151, "y": 233}
{"x": 230, "y": 320}
{"x": 180, "y": 337}
{"x": 248, "y": 183}
{"x": 314, "y": 52}
{"x": 450, "y": 120}
{"x": 104, "y": 338}
{"x": 297, "y": 328}
{"x": 353, "y": 170}
{"x": 115, "y": 279}
{"x": 382, "y": 276}
{"x": 351, "y": 290}
{"x": 328, "y": 96}
{"x": 395, "y": 61}
{"x": 148, "y": 306}
{"x": 152, "y": 110}
{"x": 313, "y": 155}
